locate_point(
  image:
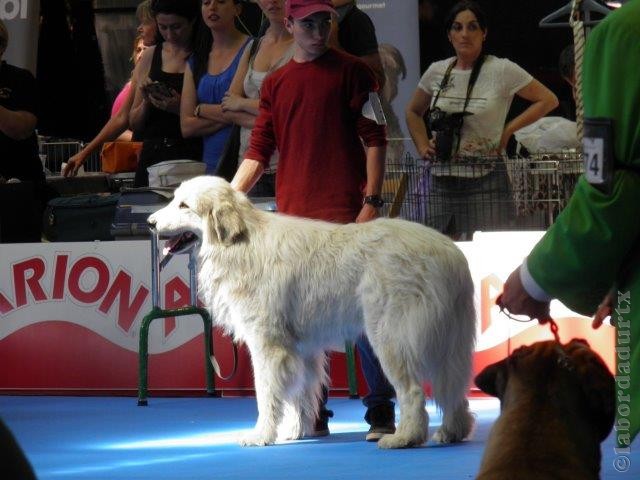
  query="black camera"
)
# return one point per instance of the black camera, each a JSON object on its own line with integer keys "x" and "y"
{"x": 446, "y": 126}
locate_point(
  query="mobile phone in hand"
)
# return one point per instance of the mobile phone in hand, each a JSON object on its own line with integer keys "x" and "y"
{"x": 159, "y": 89}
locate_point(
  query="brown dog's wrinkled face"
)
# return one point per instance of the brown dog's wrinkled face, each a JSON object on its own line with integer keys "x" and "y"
{"x": 546, "y": 369}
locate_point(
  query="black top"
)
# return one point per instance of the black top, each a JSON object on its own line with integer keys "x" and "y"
{"x": 19, "y": 158}
{"x": 356, "y": 32}
{"x": 160, "y": 123}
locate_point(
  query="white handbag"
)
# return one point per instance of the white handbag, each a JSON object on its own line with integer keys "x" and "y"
{"x": 172, "y": 173}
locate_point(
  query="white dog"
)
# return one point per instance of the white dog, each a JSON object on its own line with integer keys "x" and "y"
{"x": 291, "y": 288}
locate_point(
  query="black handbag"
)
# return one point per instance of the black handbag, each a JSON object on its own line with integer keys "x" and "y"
{"x": 82, "y": 218}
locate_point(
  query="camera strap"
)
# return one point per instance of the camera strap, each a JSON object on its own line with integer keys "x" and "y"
{"x": 444, "y": 81}
{"x": 472, "y": 81}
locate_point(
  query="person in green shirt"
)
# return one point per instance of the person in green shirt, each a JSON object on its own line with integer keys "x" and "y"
{"x": 594, "y": 246}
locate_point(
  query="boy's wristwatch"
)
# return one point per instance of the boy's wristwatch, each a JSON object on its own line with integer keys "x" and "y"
{"x": 373, "y": 200}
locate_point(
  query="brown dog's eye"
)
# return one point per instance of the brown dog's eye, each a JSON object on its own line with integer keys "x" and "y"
{"x": 183, "y": 205}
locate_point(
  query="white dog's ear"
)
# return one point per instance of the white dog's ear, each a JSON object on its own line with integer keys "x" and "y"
{"x": 225, "y": 223}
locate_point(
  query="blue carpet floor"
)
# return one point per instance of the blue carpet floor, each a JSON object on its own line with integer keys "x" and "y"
{"x": 92, "y": 438}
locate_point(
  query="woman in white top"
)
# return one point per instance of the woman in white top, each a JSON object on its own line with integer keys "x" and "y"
{"x": 466, "y": 99}
{"x": 241, "y": 102}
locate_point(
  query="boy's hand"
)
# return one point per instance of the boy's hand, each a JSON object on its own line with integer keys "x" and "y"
{"x": 368, "y": 212}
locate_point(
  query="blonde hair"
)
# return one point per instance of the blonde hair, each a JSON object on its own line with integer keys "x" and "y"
{"x": 4, "y": 37}
{"x": 144, "y": 13}
{"x": 136, "y": 41}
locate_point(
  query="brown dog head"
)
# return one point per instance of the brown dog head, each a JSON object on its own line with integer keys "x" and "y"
{"x": 548, "y": 371}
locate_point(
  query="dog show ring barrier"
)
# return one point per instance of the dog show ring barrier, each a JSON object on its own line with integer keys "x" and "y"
{"x": 482, "y": 193}
{"x": 157, "y": 312}
{"x": 56, "y": 151}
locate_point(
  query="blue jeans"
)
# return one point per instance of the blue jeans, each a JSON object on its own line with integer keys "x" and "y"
{"x": 380, "y": 390}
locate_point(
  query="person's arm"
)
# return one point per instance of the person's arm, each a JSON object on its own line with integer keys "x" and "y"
{"x": 236, "y": 107}
{"x": 140, "y": 106}
{"x": 518, "y": 296}
{"x": 543, "y": 101}
{"x": 236, "y": 98}
{"x": 374, "y": 137}
{"x": 375, "y": 64}
{"x": 575, "y": 261}
{"x": 17, "y": 125}
{"x": 115, "y": 127}
{"x": 414, "y": 114}
{"x": 375, "y": 177}
{"x": 248, "y": 173}
{"x": 241, "y": 117}
{"x": 261, "y": 146}
{"x": 210, "y": 118}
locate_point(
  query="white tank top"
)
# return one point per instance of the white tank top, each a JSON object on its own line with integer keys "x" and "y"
{"x": 252, "y": 84}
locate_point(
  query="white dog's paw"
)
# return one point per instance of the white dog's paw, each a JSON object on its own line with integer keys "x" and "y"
{"x": 291, "y": 431}
{"x": 443, "y": 436}
{"x": 255, "y": 439}
{"x": 397, "y": 441}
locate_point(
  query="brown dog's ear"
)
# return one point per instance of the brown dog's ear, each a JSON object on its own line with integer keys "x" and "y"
{"x": 598, "y": 385}
{"x": 493, "y": 379}
{"x": 225, "y": 223}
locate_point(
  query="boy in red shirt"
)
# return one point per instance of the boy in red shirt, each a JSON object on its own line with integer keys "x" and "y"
{"x": 311, "y": 111}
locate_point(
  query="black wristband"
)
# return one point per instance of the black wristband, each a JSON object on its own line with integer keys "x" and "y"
{"x": 373, "y": 200}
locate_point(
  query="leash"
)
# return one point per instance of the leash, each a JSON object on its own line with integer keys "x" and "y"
{"x": 216, "y": 365}
{"x": 553, "y": 326}
{"x": 578, "y": 47}
{"x": 212, "y": 358}
{"x": 563, "y": 360}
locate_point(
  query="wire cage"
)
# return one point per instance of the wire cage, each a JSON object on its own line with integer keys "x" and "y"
{"x": 55, "y": 151}
{"x": 481, "y": 193}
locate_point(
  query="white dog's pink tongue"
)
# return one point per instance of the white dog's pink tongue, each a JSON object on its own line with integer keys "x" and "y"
{"x": 170, "y": 244}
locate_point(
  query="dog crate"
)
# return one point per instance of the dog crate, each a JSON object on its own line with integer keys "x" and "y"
{"x": 56, "y": 151}
{"x": 482, "y": 193}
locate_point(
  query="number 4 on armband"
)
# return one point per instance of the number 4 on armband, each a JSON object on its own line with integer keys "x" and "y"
{"x": 597, "y": 148}
{"x": 593, "y": 151}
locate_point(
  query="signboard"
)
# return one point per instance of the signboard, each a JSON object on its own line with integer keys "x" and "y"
{"x": 70, "y": 315}
{"x": 22, "y": 18}
{"x": 397, "y": 30}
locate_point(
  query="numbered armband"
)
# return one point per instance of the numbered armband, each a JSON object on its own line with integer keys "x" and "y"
{"x": 373, "y": 109}
{"x": 597, "y": 150}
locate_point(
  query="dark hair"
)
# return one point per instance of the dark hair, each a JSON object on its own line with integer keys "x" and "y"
{"x": 189, "y": 9}
{"x": 202, "y": 48}
{"x": 461, "y": 7}
{"x": 566, "y": 62}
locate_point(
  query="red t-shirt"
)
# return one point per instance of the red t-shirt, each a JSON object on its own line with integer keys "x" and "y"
{"x": 312, "y": 113}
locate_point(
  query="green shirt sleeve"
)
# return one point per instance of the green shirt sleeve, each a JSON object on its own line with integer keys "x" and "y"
{"x": 580, "y": 256}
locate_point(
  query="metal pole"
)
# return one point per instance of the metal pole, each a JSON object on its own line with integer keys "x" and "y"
{"x": 155, "y": 270}
{"x": 193, "y": 282}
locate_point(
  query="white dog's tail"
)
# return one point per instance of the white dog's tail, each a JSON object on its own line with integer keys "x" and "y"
{"x": 451, "y": 378}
